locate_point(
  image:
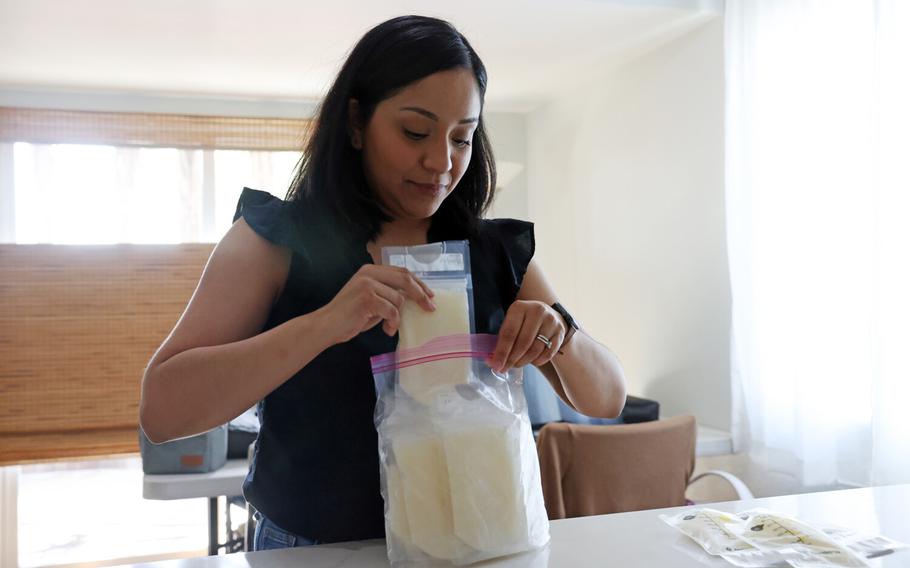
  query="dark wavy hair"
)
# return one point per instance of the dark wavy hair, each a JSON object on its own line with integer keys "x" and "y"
{"x": 391, "y": 56}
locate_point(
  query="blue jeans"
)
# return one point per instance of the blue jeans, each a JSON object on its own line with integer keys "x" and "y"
{"x": 270, "y": 536}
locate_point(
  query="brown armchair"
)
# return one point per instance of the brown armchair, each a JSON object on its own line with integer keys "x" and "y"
{"x": 596, "y": 469}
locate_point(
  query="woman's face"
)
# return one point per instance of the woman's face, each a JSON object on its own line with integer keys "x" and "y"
{"x": 417, "y": 144}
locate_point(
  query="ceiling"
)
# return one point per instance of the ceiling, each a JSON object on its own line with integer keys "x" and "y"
{"x": 290, "y": 50}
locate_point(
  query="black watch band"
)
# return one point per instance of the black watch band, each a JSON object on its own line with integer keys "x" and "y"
{"x": 571, "y": 324}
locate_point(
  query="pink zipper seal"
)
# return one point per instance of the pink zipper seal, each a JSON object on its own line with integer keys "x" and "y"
{"x": 459, "y": 346}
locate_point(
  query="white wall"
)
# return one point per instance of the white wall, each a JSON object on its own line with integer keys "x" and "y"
{"x": 625, "y": 183}
{"x": 507, "y": 132}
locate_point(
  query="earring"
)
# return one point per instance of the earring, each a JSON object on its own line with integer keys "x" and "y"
{"x": 355, "y": 141}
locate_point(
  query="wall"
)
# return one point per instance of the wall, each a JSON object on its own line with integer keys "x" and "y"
{"x": 508, "y": 134}
{"x": 625, "y": 183}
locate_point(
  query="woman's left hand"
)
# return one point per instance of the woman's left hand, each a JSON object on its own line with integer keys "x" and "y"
{"x": 518, "y": 343}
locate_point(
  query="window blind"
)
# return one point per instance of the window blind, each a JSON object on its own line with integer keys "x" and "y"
{"x": 78, "y": 324}
{"x": 47, "y": 126}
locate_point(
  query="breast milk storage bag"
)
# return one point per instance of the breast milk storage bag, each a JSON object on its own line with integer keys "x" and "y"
{"x": 459, "y": 468}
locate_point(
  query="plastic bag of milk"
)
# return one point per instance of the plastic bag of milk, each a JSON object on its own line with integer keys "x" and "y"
{"x": 446, "y": 268}
{"x": 458, "y": 464}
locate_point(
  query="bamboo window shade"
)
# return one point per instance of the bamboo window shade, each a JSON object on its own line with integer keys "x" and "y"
{"x": 78, "y": 324}
{"x": 43, "y": 126}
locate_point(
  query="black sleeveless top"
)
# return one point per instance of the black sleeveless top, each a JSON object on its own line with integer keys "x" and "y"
{"x": 315, "y": 467}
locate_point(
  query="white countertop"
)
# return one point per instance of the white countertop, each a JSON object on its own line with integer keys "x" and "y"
{"x": 638, "y": 539}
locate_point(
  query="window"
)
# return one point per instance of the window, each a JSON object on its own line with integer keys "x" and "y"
{"x": 92, "y": 194}
{"x": 75, "y": 178}
{"x": 104, "y": 178}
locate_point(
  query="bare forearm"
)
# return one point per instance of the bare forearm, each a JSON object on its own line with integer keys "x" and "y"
{"x": 591, "y": 376}
{"x": 201, "y": 388}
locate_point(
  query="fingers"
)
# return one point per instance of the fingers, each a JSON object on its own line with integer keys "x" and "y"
{"x": 386, "y": 304}
{"x": 404, "y": 280}
{"x": 518, "y": 344}
{"x": 508, "y": 335}
{"x": 527, "y": 347}
{"x": 555, "y": 336}
{"x": 378, "y": 294}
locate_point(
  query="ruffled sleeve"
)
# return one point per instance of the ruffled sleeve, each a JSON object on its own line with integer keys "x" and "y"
{"x": 516, "y": 243}
{"x": 269, "y": 216}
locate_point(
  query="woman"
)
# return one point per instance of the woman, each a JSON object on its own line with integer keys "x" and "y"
{"x": 294, "y": 301}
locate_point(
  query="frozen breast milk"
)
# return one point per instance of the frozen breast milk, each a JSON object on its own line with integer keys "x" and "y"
{"x": 418, "y": 326}
{"x": 427, "y": 499}
{"x": 398, "y": 519}
{"x": 484, "y": 479}
{"x": 423, "y": 382}
{"x": 451, "y": 317}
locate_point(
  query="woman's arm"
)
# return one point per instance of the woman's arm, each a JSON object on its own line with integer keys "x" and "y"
{"x": 586, "y": 375}
{"x": 215, "y": 364}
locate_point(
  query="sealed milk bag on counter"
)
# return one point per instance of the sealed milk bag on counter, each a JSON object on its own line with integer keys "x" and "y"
{"x": 459, "y": 469}
{"x": 458, "y": 463}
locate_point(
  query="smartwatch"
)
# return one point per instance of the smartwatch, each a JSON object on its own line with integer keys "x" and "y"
{"x": 571, "y": 324}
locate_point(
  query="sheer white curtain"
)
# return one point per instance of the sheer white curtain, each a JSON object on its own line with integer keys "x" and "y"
{"x": 818, "y": 207}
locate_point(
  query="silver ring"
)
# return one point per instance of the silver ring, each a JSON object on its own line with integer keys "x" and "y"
{"x": 546, "y": 341}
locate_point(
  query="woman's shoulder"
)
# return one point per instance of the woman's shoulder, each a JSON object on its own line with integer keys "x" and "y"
{"x": 267, "y": 215}
{"x": 513, "y": 234}
{"x": 265, "y": 235}
{"x": 298, "y": 225}
{"x": 513, "y": 241}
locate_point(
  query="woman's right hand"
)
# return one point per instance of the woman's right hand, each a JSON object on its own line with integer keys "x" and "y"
{"x": 375, "y": 293}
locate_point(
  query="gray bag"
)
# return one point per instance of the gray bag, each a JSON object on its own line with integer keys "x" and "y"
{"x": 196, "y": 454}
